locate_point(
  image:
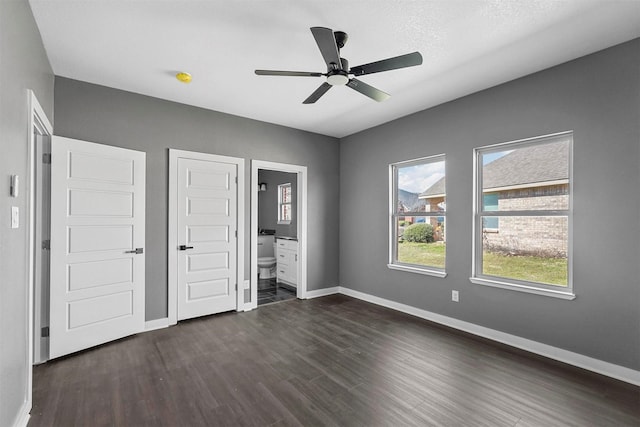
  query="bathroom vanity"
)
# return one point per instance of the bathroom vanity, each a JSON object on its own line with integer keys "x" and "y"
{"x": 287, "y": 261}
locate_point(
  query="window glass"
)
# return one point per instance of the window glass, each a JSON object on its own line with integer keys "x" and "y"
{"x": 284, "y": 203}
{"x": 418, "y": 214}
{"x": 522, "y": 221}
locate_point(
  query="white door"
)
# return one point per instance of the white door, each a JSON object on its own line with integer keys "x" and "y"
{"x": 207, "y": 242}
{"x": 97, "y": 243}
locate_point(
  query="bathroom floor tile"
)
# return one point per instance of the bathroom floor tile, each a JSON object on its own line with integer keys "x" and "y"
{"x": 270, "y": 291}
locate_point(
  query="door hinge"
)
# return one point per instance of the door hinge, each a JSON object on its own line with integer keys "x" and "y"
{"x": 236, "y": 179}
{"x": 236, "y": 234}
{"x": 46, "y": 245}
{"x": 236, "y": 286}
{"x": 46, "y": 158}
{"x": 44, "y": 332}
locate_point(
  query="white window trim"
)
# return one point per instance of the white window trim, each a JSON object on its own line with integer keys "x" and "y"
{"x": 568, "y": 292}
{"x": 280, "y": 220}
{"x": 395, "y": 265}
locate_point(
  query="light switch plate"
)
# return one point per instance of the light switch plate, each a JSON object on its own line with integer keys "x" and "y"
{"x": 15, "y": 217}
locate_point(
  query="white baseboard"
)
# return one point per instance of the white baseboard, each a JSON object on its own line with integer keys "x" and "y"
{"x": 249, "y": 306}
{"x": 22, "y": 419}
{"x": 605, "y": 368}
{"x": 322, "y": 292}
{"x": 151, "y": 325}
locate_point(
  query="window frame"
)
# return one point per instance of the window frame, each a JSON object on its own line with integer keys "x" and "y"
{"x": 393, "y": 263}
{"x": 538, "y": 288}
{"x": 281, "y": 187}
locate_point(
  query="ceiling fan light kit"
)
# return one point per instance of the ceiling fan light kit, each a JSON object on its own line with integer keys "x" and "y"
{"x": 330, "y": 42}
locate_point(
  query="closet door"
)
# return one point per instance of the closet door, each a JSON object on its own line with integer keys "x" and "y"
{"x": 97, "y": 244}
{"x": 207, "y": 237}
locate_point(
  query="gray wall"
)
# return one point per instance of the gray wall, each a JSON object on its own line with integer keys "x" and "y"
{"x": 23, "y": 65}
{"x": 268, "y": 202}
{"x": 113, "y": 117}
{"x": 598, "y": 97}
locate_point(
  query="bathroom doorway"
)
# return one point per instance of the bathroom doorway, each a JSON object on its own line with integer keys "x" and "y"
{"x": 278, "y": 233}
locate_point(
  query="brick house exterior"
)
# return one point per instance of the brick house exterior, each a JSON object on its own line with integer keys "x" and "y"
{"x": 528, "y": 178}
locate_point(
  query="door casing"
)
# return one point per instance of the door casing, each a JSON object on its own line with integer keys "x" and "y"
{"x": 38, "y": 124}
{"x": 172, "y": 242}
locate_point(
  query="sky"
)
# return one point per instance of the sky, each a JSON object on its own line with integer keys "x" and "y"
{"x": 418, "y": 178}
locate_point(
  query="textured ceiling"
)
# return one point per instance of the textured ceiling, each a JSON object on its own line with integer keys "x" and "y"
{"x": 467, "y": 46}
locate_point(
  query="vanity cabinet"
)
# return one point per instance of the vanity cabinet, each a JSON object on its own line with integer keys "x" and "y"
{"x": 287, "y": 261}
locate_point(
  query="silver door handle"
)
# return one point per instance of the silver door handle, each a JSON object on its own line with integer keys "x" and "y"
{"x": 135, "y": 251}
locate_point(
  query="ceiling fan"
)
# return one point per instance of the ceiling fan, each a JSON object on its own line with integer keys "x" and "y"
{"x": 330, "y": 42}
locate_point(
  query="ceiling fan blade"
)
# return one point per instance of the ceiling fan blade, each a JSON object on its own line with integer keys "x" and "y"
{"x": 324, "y": 87}
{"x": 328, "y": 48}
{"x": 402, "y": 61}
{"x": 370, "y": 91}
{"x": 288, "y": 73}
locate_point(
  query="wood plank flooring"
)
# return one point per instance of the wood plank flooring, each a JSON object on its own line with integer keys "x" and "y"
{"x": 332, "y": 361}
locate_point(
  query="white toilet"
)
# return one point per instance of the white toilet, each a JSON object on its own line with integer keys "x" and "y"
{"x": 266, "y": 256}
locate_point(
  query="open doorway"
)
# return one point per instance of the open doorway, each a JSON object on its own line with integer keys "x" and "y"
{"x": 278, "y": 231}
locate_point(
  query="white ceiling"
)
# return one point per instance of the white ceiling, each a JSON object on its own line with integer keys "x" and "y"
{"x": 467, "y": 46}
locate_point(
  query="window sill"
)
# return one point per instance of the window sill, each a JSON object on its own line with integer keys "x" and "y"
{"x": 284, "y": 222}
{"x": 417, "y": 270}
{"x": 522, "y": 288}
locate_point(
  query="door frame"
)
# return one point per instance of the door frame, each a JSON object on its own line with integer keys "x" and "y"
{"x": 37, "y": 122}
{"x": 301, "y": 171}
{"x": 172, "y": 240}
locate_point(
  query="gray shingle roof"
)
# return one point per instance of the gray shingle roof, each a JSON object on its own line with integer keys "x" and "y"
{"x": 528, "y": 165}
{"x": 435, "y": 189}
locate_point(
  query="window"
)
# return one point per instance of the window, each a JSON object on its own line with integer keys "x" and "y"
{"x": 417, "y": 216}
{"x": 284, "y": 203}
{"x": 522, "y": 215}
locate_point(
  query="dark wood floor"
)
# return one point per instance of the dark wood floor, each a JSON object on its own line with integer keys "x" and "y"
{"x": 327, "y": 361}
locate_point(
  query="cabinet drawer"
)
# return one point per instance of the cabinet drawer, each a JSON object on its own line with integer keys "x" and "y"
{"x": 284, "y": 271}
{"x": 283, "y": 257}
{"x": 287, "y": 244}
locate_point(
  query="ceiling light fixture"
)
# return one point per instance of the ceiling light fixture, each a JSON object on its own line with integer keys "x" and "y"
{"x": 184, "y": 77}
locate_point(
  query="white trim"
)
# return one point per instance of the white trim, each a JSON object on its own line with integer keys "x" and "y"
{"x": 392, "y": 261}
{"x": 478, "y": 212}
{"x": 36, "y": 118}
{"x": 528, "y": 185}
{"x": 316, "y": 293}
{"x": 152, "y": 325}
{"x": 280, "y": 203}
{"x": 301, "y": 221}
{"x": 172, "y": 242}
{"x": 432, "y": 196}
{"x": 536, "y": 139}
{"x": 585, "y": 362}
{"x": 417, "y": 270}
{"x": 523, "y": 288}
{"x": 22, "y": 420}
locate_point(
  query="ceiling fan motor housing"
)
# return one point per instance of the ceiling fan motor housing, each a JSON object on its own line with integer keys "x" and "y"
{"x": 341, "y": 38}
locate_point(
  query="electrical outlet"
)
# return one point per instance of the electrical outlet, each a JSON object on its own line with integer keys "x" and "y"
{"x": 455, "y": 296}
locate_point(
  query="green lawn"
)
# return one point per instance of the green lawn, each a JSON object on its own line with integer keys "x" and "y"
{"x": 430, "y": 254}
{"x": 551, "y": 271}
